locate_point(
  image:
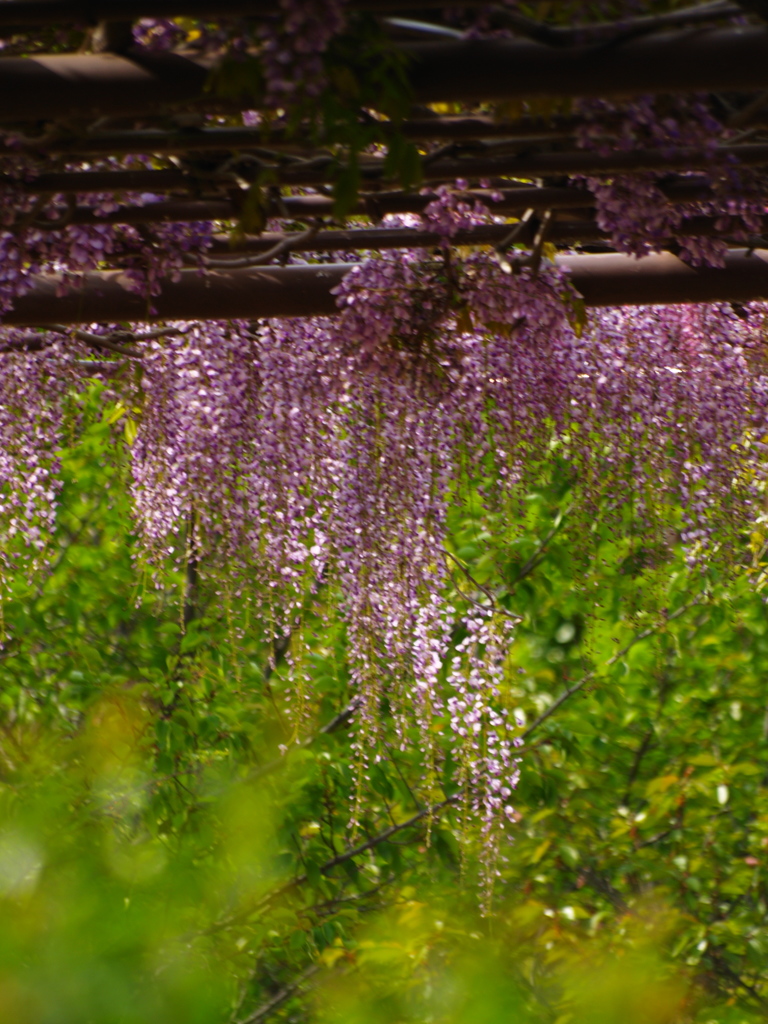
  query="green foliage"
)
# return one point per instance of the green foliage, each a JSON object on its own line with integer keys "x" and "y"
{"x": 175, "y": 842}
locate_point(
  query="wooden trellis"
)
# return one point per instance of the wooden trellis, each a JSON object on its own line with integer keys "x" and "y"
{"x": 57, "y": 108}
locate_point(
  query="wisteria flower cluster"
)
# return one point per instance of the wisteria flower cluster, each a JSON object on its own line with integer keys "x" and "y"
{"x": 488, "y": 768}
{"x": 293, "y": 47}
{"x": 633, "y": 210}
{"x": 36, "y": 236}
{"x": 690, "y": 428}
{"x": 231, "y": 441}
{"x": 330, "y": 450}
{"x": 35, "y": 382}
{"x": 158, "y": 34}
{"x": 291, "y": 44}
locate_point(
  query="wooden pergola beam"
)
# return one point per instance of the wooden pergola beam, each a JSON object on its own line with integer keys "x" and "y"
{"x": 324, "y": 170}
{"x": 202, "y": 140}
{"x": 300, "y": 291}
{"x": 681, "y": 61}
{"x": 613, "y": 279}
{"x": 23, "y": 13}
{"x": 374, "y": 205}
{"x": 54, "y": 86}
{"x": 563, "y": 233}
{"x": 107, "y": 297}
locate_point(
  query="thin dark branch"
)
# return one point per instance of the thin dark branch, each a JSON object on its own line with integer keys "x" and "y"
{"x": 160, "y": 332}
{"x": 280, "y": 997}
{"x": 335, "y": 723}
{"x": 295, "y": 883}
{"x": 655, "y": 839}
{"x": 650, "y": 631}
{"x": 26, "y": 343}
{"x": 282, "y": 248}
{"x": 398, "y": 769}
{"x": 537, "y": 250}
{"x": 369, "y": 844}
{"x": 617, "y": 31}
{"x": 742, "y": 117}
{"x": 329, "y": 906}
{"x": 484, "y": 590}
{"x": 601, "y": 884}
{"x": 642, "y": 750}
{"x": 97, "y": 341}
{"x": 541, "y": 550}
{"x": 717, "y": 959}
{"x": 514, "y": 235}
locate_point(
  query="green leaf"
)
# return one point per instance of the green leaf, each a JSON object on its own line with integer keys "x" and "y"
{"x": 252, "y": 214}
{"x": 314, "y": 874}
{"x": 351, "y": 870}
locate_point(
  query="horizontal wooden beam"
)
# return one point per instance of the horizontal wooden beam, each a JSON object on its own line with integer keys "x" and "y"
{"x": 106, "y": 297}
{"x": 603, "y": 280}
{"x": 613, "y": 279}
{"x": 49, "y": 87}
{"x": 89, "y": 12}
{"x": 374, "y": 205}
{"x": 563, "y": 233}
{"x": 679, "y": 62}
{"x": 324, "y": 170}
{"x": 202, "y": 140}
